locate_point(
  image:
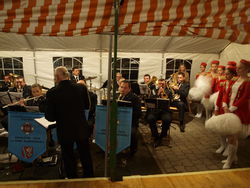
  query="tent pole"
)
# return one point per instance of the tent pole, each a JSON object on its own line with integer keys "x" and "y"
{"x": 35, "y": 68}
{"x": 162, "y": 64}
{"x": 108, "y": 105}
{"x": 114, "y": 108}
{"x": 100, "y": 71}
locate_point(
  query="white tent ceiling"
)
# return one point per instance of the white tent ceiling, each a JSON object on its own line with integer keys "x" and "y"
{"x": 16, "y": 42}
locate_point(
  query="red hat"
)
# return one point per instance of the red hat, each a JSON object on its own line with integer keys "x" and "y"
{"x": 245, "y": 62}
{"x": 231, "y": 63}
{"x": 204, "y": 64}
{"x": 215, "y": 62}
{"x": 222, "y": 67}
{"x": 231, "y": 67}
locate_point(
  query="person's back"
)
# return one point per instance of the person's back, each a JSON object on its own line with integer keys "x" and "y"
{"x": 65, "y": 105}
{"x": 70, "y": 101}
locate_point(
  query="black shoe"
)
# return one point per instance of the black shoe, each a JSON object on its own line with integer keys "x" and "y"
{"x": 182, "y": 128}
{"x": 157, "y": 143}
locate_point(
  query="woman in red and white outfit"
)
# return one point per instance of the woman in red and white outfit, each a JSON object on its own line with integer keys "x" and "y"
{"x": 237, "y": 101}
{"x": 230, "y": 75}
{"x": 212, "y": 75}
{"x": 220, "y": 78}
{"x": 202, "y": 72}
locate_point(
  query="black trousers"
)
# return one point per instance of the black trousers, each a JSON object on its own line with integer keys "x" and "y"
{"x": 69, "y": 160}
{"x": 134, "y": 139}
{"x": 182, "y": 109}
{"x": 153, "y": 116}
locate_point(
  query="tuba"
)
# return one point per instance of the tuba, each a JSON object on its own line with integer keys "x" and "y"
{"x": 170, "y": 84}
{"x": 13, "y": 78}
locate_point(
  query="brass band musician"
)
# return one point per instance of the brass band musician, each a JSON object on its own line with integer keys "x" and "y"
{"x": 181, "y": 89}
{"x": 159, "y": 114}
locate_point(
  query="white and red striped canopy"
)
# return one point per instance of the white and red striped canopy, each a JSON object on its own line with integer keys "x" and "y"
{"x": 220, "y": 19}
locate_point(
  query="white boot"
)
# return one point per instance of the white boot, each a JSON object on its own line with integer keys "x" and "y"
{"x": 2, "y": 130}
{"x": 232, "y": 150}
{"x": 199, "y": 111}
{"x": 225, "y": 153}
{"x": 4, "y": 134}
{"x": 223, "y": 143}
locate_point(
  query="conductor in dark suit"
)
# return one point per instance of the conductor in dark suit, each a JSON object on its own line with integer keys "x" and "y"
{"x": 76, "y": 76}
{"x": 66, "y": 103}
{"x": 182, "y": 90}
{"x": 127, "y": 95}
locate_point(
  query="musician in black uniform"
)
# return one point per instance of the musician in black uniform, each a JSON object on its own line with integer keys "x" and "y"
{"x": 182, "y": 90}
{"x": 127, "y": 95}
{"x": 66, "y": 104}
{"x": 154, "y": 114}
{"x": 39, "y": 101}
{"x": 76, "y": 76}
{"x": 5, "y": 84}
{"x": 22, "y": 87}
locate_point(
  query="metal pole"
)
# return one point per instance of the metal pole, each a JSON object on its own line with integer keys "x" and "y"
{"x": 108, "y": 106}
{"x": 35, "y": 68}
{"x": 113, "y": 120}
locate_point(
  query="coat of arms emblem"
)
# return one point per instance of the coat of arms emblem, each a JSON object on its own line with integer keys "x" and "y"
{"x": 27, "y": 128}
{"x": 27, "y": 152}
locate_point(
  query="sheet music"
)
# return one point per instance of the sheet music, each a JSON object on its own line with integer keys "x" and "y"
{"x": 44, "y": 122}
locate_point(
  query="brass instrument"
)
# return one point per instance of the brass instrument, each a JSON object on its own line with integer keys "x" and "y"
{"x": 150, "y": 84}
{"x": 163, "y": 94}
{"x": 13, "y": 78}
{"x": 171, "y": 84}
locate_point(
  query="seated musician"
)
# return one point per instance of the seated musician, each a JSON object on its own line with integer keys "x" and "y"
{"x": 37, "y": 99}
{"x": 181, "y": 90}
{"x": 119, "y": 78}
{"x": 21, "y": 86}
{"x": 159, "y": 114}
{"x": 76, "y": 76}
{"x": 182, "y": 68}
{"x": 5, "y": 84}
{"x": 146, "y": 79}
{"x": 127, "y": 95}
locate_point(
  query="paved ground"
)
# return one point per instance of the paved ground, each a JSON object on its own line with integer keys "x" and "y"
{"x": 193, "y": 150}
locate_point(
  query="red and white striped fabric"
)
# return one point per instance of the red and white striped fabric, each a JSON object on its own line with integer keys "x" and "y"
{"x": 220, "y": 19}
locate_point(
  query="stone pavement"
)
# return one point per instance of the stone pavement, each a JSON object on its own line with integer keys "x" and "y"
{"x": 193, "y": 150}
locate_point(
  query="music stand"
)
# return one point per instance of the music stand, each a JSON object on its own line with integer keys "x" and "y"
{"x": 10, "y": 97}
{"x": 144, "y": 89}
{"x": 158, "y": 103}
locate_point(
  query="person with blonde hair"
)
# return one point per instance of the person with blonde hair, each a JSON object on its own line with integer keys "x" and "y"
{"x": 236, "y": 101}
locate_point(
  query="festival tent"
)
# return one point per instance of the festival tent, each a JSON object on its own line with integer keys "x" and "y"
{"x": 150, "y": 30}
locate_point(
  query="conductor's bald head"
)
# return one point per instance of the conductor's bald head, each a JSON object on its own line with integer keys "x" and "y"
{"x": 61, "y": 73}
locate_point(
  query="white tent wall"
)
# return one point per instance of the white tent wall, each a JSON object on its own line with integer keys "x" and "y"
{"x": 235, "y": 52}
{"x": 196, "y": 60}
{"x": 44, "y": 64}
{"x": 96, "y": 64}
{"x": 28, "y": 63}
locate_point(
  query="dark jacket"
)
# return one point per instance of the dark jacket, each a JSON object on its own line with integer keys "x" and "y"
{"x": 136, "y": 106}
{"x": 26, "y": 91}
{"x": 183, "y": 92}
{"x": 65, "y": 104}
{"x": 72, "y": 78}
{"x": 40, "y": 102}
